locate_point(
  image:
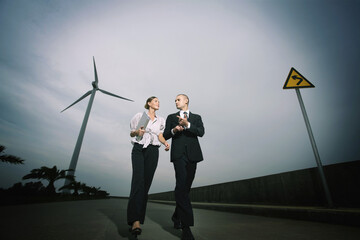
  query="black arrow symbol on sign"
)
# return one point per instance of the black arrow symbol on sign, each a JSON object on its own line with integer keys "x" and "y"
{"x": 296, "y": 77}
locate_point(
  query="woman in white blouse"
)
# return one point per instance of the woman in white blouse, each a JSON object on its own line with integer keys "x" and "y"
{"x": 144, "y": 157}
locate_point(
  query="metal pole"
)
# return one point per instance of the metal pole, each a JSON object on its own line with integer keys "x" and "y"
{"x": 79, "y": 141}
{"x": 316, "y": 153}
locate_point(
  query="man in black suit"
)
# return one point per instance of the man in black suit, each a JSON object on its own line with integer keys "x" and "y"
{"x": 184, "y": 127}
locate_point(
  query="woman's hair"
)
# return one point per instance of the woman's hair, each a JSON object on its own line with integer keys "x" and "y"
{"x": 149, "y": 100}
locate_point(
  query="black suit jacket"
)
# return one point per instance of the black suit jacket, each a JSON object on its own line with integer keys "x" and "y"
{"x": 185, "y": 142}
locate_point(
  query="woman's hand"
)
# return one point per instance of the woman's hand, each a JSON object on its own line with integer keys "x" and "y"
{"x": 167, "y": 146}
{"x": 163, "y": 141}
{"x": 140, "y": 132}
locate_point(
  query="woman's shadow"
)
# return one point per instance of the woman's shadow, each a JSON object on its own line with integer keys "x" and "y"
{"x": 119, "y": 219}
{"x": 160, "y": 216}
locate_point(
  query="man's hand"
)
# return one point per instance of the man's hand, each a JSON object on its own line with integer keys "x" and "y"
{"x": 183, "y": 121}
{"x": 178, "y": 129}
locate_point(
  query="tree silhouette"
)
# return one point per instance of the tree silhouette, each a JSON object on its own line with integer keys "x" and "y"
{"x": 9, "y": 158}
{"x": 86, "y": 189}
{"x": 50, "y": 174}
{"x": 29, "y": 189}
{"x": 74, "y": 185}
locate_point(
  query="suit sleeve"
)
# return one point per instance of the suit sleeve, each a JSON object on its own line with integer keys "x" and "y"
{"x": 167, "y": 131}
{"x": 197, "y": 127}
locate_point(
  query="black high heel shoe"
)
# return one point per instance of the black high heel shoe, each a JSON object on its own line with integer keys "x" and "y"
{"x": 135, "y": 231}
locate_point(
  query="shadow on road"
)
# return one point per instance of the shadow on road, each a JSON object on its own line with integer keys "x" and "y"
{"x": 119, "y": 219}
{"x": 163, "y": 218}
{"x": 158, "y": 214}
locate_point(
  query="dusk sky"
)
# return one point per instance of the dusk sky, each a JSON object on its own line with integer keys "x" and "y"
{"x": 231, "y": 58}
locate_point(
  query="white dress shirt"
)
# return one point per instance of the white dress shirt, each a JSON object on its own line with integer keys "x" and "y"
{"x": 152, "y": 131}
{"x": 188, "y": 115}
{"x": 182, "y": 113}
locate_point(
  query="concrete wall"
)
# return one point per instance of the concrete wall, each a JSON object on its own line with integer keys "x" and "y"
{"x": 302, "y": 187}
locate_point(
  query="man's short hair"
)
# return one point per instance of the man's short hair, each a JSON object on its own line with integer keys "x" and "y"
{"x": 182, "y": 94}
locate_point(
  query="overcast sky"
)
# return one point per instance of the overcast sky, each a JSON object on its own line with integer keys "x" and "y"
{"x": 232, "y": 58}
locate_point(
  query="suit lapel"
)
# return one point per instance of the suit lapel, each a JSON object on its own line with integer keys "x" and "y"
{"x": 176, "y": 118}
{"x": 190, "y": 115}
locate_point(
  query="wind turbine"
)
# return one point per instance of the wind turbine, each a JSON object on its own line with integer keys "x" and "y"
{"x": 76, "y": 153}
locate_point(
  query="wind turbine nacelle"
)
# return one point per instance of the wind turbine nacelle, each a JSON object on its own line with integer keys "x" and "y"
{"x": 94, "y": 84}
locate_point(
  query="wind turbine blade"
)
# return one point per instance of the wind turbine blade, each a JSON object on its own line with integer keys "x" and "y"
{"x": 84, "y": 96}
{"x": 96, "y": 76}
{"x": 103, "y": 91}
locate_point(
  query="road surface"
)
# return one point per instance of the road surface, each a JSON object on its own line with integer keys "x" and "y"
{"x": 106, "y": 220}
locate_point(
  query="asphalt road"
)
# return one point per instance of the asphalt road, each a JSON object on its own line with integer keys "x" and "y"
{"x": 106, "y": 220}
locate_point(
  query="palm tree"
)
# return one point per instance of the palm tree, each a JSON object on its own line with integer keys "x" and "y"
{"x": 85, "y": 189}
{"x": 50, "y": 174}
{"x": 94, "y": 191}
{"x": 74, "y": 185}
{"x": 9, "y": 158}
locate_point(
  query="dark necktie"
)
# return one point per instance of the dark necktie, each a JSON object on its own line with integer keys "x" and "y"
{"x": 185, "y": 115}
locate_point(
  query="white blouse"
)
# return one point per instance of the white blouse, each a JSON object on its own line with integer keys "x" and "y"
{"x": 152, "y": 131}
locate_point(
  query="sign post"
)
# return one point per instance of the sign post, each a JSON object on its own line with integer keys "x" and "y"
{"x": 295, "y": 80}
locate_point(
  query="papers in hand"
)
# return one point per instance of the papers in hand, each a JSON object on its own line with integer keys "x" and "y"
{"x": 143, "y": 122}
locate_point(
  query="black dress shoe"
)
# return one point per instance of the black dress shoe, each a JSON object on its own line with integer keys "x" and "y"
{"x": 177, "y": 223}
{"x": 187, "y": 234}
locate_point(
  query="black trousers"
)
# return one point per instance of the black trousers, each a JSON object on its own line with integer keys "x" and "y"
{"x": 144, "y": 163}
{"x": 184, "y": 173}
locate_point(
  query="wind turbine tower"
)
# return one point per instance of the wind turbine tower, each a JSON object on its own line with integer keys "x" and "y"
{"x": 76, "y": 153}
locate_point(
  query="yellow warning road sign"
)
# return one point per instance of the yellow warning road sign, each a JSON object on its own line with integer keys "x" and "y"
{"x": 296, "y": 80}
